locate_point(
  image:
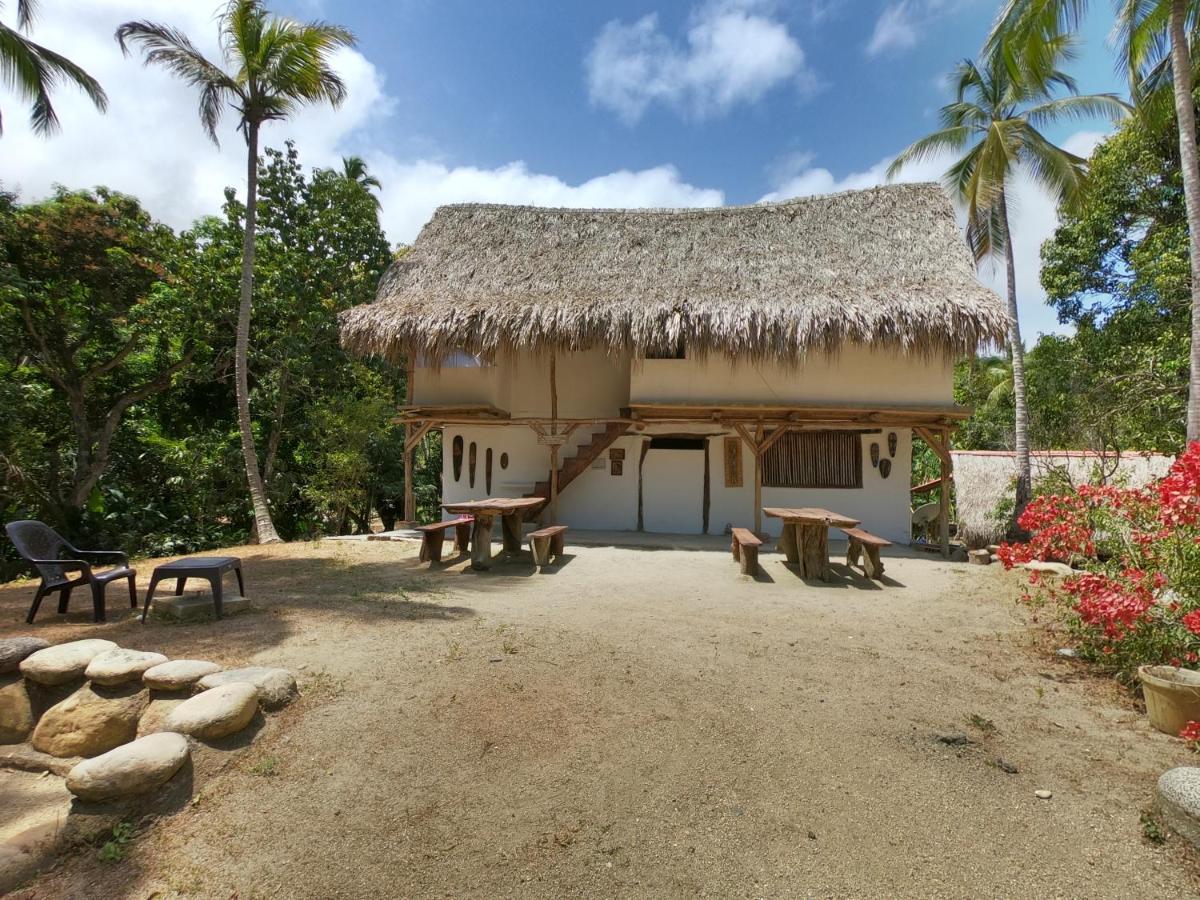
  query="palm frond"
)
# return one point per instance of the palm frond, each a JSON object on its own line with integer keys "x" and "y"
{"x": 33, "y": 71}
{"x": 930, "y": 146}
{"x": 1088, "y": 106}
{"x": 170, "y": 48}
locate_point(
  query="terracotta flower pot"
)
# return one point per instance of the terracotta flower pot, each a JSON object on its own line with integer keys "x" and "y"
{"x": 1172, "y": 696}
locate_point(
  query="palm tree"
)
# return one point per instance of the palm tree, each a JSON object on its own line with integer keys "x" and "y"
{"x": 993, "y": 126}
{"x": 32, "y": 71}
{"x": 272, "y": 66}
{"x": 354, "y": 168}
{"x": 1155, "y": 41}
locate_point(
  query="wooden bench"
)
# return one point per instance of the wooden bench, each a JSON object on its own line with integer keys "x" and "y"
{"x": 866, "y": 545}
{"x": 433, "y": 535}
{"x": 546, "y": 543}
{"x": 745, "y": 549}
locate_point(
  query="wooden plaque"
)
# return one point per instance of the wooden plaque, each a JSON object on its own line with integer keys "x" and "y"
{"x": 456, "y": 456}
{"x": 733, "y": 462}
{"x": 616, "y": 466}
{"x": 616, "y": 453}
{"x": 487, "y": 471}
{"x": 472, "y": 455}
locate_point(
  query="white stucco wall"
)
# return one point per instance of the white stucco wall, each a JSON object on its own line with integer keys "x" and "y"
{"x": 673, "y": 484}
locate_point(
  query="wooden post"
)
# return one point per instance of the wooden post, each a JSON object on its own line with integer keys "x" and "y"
{"x": 944, "y": 499}
{"x": 758, "y": 440}
{"x": 410, "y": 512}
{"x": 553, "y": 447}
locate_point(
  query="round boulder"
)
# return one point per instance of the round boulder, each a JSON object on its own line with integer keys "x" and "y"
{"x": 118, "y": 666}
{"x": 215, "y": 713}
{"x": 276, "y": 687}
{"x": 15, "y": 649}
{"x": 138, "y": 767}
{"x": 1178, "y": 796}
{"x": 16, "y": 712}
{"x": 64, "y": 662}
{"x": 91, "y": 721}
{"x": 178, "y": 674}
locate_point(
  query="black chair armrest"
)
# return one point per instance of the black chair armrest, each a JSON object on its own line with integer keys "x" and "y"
{"x": 122, "y": 556}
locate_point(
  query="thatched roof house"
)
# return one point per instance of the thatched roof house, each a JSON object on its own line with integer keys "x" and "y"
{"x": 679, "y": 369}
{"x": 885, "y": 267}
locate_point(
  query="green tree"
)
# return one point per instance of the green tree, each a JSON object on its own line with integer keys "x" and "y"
{"x": 273, "y": 65}
{"x": 1117, "y": 270}
{"x": 1155, "y": 37}
{"x": 993, "y": 126}
{"x": 91, "y": 326}
{"x": 32, "y": 71}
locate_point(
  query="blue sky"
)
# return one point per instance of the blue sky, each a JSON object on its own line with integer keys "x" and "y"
{"x": 623, "y": 103}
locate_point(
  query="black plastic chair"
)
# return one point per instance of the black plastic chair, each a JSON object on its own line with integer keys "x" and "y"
{"x": 42, "y": 547}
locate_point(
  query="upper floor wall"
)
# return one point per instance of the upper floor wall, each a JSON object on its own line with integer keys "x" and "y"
{"x": 854, "y": 376}
{"x": 592, "y": 384}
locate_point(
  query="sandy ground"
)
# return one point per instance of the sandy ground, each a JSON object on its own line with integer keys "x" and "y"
{"x": 646, "y": 724}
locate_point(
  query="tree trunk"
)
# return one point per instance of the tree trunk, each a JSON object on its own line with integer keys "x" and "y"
{"x": 1185, "y": 110}
{"x": 1017, "y": 354}
{"x": 264, "y": 527}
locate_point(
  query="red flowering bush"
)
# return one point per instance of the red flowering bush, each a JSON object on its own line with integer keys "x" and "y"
{"x": 1135, "y": 599}
{"x": 1191, "y": 732}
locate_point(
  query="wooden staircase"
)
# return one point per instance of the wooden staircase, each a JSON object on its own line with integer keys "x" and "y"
{"x": 572, "y": 467}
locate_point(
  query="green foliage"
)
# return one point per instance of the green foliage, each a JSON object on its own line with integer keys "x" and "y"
{"x": 1117, "y": 270}
{"x": 114, "y": 849}
{"x": 97, "y": 275}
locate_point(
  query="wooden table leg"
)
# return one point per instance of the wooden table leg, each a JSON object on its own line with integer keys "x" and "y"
{"x": 511, "y": 527}
{"x": 814, "y": 552}
{"x": 788, "y": 542}
{"x": 481, "y": 543}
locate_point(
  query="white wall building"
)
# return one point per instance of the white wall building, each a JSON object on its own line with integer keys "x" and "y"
{"x": 679, "y": 370}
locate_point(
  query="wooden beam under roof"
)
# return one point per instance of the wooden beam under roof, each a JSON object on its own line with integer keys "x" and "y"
{"x": 899, "y": 416}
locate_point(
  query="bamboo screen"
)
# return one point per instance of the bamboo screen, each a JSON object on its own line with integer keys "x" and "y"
{"x": 814, "y": 459}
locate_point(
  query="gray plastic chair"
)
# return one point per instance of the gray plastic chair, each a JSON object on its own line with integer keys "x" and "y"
{"x": 42, "y": 547}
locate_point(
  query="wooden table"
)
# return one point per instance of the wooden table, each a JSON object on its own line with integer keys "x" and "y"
{"x": 511, "y": 513}
{"x": 805, "y": 538}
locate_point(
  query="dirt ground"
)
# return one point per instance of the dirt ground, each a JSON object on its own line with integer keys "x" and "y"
{"x": 646, "y": 723}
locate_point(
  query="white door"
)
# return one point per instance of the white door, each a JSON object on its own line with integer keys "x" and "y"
{"x": 673, "y": 491}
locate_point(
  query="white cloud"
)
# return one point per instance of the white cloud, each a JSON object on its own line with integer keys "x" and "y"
{"x": 150, "y": 143}
{"x": 734, "y": 52}
{"x": 895, "y": 29}
{"x": 1033, "y": 218}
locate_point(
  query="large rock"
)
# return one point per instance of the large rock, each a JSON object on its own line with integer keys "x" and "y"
{"x": 178, "y": 674}
{"x": 154, "y": 717}
{"x": 215, "y": 713}
{"x": 15, "y": 649}
{"x": 63, "y": 663}
{"x": 276, "y": 687}
{"x": 1178, "y": 796}
{"x": 138, "y": 767}
{"x": 91, "y": 721}
{"x": 118, "y": 666}
{"x": 16, "y": 712}
{"x": 1049, "y": 568}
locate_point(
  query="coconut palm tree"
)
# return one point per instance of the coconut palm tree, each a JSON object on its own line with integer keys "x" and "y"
{"x": 1155, "y": 38}
{"x": 271, "y": 66}
{"x": 32, "y": 71}
{"x": 354, "y": 168}
{"x": 993, "y": 127}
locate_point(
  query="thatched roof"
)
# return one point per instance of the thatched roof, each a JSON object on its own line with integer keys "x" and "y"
{"x": 881, "y": 267}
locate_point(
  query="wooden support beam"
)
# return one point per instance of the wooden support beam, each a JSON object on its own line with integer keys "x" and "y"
{"x": 773, "y": 438}
{"x": 553, "y": 447}
{"x": 410, "y": 511}
{"x": 944, "y": 498}
{"x": 415, "y": 437}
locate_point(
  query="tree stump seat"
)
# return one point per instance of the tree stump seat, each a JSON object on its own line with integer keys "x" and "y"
{"x": 547, "y": 543}
{"x": 433, "y": 535}
{"x": 745, "y": 549}
{"x": 866, "y": 546}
